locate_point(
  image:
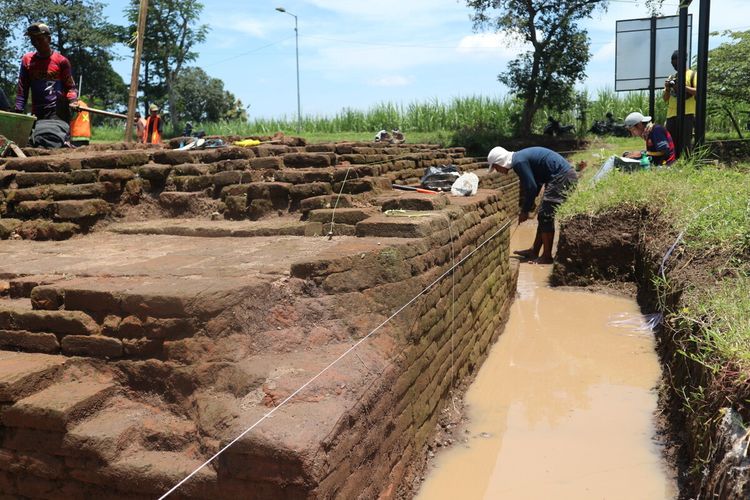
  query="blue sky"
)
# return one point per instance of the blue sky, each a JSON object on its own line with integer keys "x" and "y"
{"x": 356, "y": 53}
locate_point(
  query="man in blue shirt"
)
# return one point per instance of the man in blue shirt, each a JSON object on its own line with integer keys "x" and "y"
{"x": 537, "y": 167}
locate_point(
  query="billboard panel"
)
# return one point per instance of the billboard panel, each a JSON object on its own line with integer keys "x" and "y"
{"x": 633, "y": 51}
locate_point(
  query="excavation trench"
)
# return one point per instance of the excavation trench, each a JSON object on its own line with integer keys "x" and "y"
{"x": 564, "y": 405}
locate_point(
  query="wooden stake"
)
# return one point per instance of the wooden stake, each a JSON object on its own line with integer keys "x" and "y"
{"x": 136, "y": 70}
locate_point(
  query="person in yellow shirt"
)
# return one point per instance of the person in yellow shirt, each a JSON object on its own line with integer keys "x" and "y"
{"x": 670, "y": 96}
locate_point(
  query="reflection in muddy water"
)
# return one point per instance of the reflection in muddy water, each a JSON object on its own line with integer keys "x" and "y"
{"x": 563, "y": 406}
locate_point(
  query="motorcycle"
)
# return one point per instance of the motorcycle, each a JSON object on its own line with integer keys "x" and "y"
{"x": 610, "y": 126}
{"x": 553, "y": 127}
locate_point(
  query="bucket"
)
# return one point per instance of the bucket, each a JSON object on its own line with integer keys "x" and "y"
{"x": 16, "y": 127}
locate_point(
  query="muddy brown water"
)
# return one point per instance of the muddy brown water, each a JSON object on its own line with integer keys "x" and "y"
{"x": 564, "y": 405}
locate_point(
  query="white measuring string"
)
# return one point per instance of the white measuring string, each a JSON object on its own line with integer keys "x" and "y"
{"x": 332, "y": 363}
{"x": 333, "y": 213}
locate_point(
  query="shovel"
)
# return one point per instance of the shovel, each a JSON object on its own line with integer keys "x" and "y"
{"x": 100, "y": 112}
{"x": 414, "y": 188}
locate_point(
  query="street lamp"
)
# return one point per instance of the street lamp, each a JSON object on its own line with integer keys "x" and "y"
{"x": 296, "y": 43}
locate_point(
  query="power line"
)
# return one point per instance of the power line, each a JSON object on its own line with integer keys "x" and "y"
{"x": 257, "y": 49}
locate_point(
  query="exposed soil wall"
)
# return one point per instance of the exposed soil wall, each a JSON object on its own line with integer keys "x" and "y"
{"x": 628, "y": 246}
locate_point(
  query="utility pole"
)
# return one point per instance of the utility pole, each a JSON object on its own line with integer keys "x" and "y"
{"x": 136, "y": 70}
{"x": 296, "y": 45}
{"x": 702, "y": 91}
{"x": 681, "y": 69}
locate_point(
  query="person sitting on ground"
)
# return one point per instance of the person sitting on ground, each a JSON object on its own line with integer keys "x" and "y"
{"x": 659, "y": 144}
{"x": 537, "y": 167}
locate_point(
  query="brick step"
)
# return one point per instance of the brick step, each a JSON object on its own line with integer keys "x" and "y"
{"x": 22, "y": 180}
{"x": 61, "y": 404}
{"x": 21, "y": 287}
{"x": 125, "y": 423}
{"x": 66, "y": 210}
{"x": 155, "y": 472}
{"x": 37, "y": 229}
{"x": 75, "y": 333}
{"x": 277, "y": 226}
{"x": 61, "y": 192}
{"x": 22, "y": 374}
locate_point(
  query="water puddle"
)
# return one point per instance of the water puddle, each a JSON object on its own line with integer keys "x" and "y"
{"x": 564, "y": 405}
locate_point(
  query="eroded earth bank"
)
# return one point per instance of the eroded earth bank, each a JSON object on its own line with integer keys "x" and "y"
{"x": 705, "y": 406}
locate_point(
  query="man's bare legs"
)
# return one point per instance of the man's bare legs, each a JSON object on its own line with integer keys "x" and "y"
{"x": 546, "y": 257}
{"x": 533, "y": 252}
{"x": 543, "y": 242}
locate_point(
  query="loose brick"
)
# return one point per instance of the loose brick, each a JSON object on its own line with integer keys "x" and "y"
{"x": 326, "y": 201}
{"x": 342, "y": 215}
{"x": 96, "y": 346}
{"x": 59, "y": 322}
{"x": 28, "y": 179}
{"x": 47, "y": 298}
{"x": 81, "y": 209}
{"x": 172, "y": 157}
{"x": 44, "y": 230}
{"x": 301, "y": 191}
{"x": 307, "y": 160}
{"x": 267, "y": 163}
{"x": 117, "y": 175}
{"x": 116, "y": 159}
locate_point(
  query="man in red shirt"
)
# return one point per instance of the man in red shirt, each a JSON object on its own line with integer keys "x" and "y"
{"x": 53, "y": 91}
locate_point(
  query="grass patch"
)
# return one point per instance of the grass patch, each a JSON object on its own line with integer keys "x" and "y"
{"x": 709, "y": 202}
{"x": 724, "y": 317}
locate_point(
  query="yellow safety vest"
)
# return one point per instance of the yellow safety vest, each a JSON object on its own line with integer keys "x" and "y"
{"x": 690, "y": 77}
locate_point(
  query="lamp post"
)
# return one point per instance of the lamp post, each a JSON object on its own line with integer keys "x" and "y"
{"x": 296, "y": 44}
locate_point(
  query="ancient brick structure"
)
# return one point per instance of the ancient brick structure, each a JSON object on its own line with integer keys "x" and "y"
{"x": 138, "y": 344}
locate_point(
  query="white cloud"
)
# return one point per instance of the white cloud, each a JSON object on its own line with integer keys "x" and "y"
{"x": 392, "y": 81}
{"x": 242, "y": 25}
{"x": 605, "y": 53}
{"x": 490, "y": 45}
{"x": 410, "y": 12}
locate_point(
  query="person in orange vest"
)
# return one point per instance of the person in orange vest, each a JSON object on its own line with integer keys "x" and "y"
{"x": 152, "y": 134}
{"x": 80, "y": 127}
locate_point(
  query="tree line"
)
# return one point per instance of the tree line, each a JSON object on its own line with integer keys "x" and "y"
{"x": 81, "y": 32}
{"x": 543, "y": 77}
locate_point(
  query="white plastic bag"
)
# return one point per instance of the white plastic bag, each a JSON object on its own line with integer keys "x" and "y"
{"x": 466, "y": 185}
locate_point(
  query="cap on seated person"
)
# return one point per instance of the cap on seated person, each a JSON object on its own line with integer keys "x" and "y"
{"x": 499, "y": 156}
{"x": 635, "y": 118}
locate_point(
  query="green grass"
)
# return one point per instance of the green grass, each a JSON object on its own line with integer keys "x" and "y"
{"x": 709, "y": 202}
{"x": 460, "y": 115}
{"x": 724, "y": 317}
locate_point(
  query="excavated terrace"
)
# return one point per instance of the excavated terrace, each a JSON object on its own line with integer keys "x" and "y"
{"x": 154, "y": 304}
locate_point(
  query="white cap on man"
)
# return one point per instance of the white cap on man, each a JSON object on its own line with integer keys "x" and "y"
{"x": 635, "y": 118}
{"x": 499, "y": 156}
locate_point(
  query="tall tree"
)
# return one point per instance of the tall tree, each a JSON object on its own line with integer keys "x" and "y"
{"x": 80, "y": 32}
{"x": 546, "y": 74}
{"x": 201, "y": 98}
{"x": 172, "y": 33}
{"x": 729, "y": 77}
